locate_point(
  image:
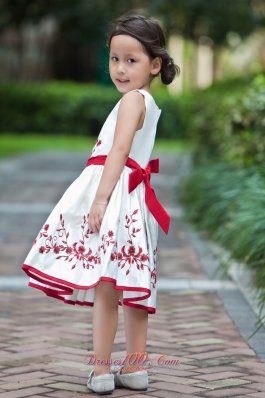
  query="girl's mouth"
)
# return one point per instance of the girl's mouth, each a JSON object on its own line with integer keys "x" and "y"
{"x": 122, "y": 81}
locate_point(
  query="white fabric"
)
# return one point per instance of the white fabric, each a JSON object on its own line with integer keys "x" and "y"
{"x": 125, "y": 248}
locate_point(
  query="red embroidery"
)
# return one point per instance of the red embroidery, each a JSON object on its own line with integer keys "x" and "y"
{"x": 131, "y": 255}
{"x": 107, "y": 240}
{"x": 153, "y": 272}
{"x": 79, "y": 252}
{"x": 76, "y": 253}
{"x": 98, "y": 142}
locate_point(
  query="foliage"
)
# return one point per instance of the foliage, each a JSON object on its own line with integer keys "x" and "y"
{"x": 79, "y": 47}
{"x": 194, "y": 18}
{"x": 73, "y": 108}
{"x": 229, "y": 203}
{"x": 79, "y": 50}
{"x": 225, "y": 192}
{"x": 197, "y": 18}
{"x": 53, "y": 107}
{"x": 227, "y": 121}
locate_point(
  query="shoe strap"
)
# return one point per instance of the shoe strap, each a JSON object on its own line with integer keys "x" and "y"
{"x": 91, "y": 374}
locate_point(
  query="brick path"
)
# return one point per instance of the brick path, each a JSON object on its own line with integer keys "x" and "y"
{"x": 45, "y": 344}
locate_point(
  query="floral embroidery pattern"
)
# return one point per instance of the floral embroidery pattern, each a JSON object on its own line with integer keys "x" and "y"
{"x": 75, "y": 253}
{"x": 107, "y": 240}
{"x": 98, "y": 142}
{"x": 131, "y": 255}
{"x": 128, "y": 256}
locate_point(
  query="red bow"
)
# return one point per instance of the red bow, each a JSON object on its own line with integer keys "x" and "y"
{"x": 135, "y": 178}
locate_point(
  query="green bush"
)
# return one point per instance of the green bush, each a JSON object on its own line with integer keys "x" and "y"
{"x": 227, "y": 121}
{"x": 73, "y": 108}
{"x": 64, "y": 108}
{"x": 229, "y": 203}
{"x": 224, "y": 194}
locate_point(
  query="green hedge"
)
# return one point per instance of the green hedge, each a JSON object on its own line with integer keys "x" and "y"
{"x": 73, "y": 108}
{"x": 225, "y": 192}
{"x": 54, "y": 107}
{"x": 227, "y": 121}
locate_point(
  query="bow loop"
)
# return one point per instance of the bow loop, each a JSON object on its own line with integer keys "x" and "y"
{"x": 135, "y": 178}
{"x": 154, "y": 165}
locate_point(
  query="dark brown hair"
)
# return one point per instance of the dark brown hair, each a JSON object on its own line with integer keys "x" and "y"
{"x": 148, "y": 32}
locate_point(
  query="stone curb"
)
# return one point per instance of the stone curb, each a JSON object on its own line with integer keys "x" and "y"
{"x": 245, "y": 297}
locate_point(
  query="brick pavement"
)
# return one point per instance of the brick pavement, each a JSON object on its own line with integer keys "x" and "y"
{"x": 45, "y": 344}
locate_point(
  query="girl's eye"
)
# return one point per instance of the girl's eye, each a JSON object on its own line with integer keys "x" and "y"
{"x": 130, "y": 60}
{"x": 114, "y": 59}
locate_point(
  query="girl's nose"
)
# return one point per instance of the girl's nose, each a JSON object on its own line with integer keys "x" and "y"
{"x": 121, "y": 68}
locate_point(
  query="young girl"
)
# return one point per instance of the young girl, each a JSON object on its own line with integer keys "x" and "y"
{"x": 98, "y": 246}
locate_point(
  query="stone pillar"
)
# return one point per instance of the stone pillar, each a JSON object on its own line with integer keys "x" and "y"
{"x": 204, "y": 74}
{"x": 176, "y": 48}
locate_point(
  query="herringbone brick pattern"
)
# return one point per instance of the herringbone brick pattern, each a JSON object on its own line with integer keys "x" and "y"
{"x": 194, "y": 348}
{"x": 45, "y": 347}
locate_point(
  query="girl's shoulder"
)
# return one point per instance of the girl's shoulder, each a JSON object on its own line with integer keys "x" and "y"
{"x": 132, "y": 100}
{"x": 132, "y": 95}
{"x": 132, "y": 107}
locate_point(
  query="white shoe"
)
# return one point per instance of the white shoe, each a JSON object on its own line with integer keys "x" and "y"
{"x": 101, "y": 384}
{"x": 134, "y": 380}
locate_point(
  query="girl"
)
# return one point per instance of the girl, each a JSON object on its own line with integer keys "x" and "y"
{"x": 98, "y": 246}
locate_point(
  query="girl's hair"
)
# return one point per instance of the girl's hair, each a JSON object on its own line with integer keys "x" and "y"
{"x": 149, "y": 33}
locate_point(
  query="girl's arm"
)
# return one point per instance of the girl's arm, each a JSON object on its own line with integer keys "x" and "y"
{"x": 130, "y": 115}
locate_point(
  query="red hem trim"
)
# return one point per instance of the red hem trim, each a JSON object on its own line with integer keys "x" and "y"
{"x": 66, "y": 288}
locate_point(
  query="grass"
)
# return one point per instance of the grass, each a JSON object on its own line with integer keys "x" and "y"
{"x": 16, "y": 143}
{"x": 228, "y": 203}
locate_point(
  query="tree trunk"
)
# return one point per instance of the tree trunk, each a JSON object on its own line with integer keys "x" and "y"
{"x": 217, "y": 70}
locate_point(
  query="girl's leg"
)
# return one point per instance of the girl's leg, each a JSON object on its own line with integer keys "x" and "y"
{"x": 105, "y": 320}
{"x": 136, "y": 325}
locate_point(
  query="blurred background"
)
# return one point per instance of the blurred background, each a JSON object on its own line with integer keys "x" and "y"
{"x": 66, "y": 39}
{"x": 55, "y": 93}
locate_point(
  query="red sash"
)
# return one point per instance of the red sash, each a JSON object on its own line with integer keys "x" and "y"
{"x": 135, "y": 178}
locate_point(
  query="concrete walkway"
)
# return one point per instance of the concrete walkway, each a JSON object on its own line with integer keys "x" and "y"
{"x": 198, "y": 342}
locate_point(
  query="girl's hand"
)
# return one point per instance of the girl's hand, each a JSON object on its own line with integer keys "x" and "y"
{"x": 96, "y": 215}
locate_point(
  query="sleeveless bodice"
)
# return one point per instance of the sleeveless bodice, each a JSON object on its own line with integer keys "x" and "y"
{"x": 144, "y": 138}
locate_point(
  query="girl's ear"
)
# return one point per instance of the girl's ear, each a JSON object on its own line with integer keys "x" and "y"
{"x": 156, "y": 66}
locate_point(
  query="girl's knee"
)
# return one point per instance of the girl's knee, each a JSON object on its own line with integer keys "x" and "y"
{"x": 107, "y": 289}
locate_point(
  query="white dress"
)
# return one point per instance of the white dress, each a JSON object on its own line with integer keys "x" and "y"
{"x": 67, "y": 260}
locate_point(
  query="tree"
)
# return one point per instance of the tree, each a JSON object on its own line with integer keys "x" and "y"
{"x": 215, "y": 19}
{"x": 79, "y": 48}
{"x": 196, "y": 19}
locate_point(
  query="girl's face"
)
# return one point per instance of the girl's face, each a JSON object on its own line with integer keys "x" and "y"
{"x": 129, "y": 65}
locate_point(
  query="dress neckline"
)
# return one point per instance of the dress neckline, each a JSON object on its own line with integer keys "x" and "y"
{"x": 150, "y": 95}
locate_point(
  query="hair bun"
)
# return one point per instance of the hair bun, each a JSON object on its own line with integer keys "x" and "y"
{"x": 168, "y": 69}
